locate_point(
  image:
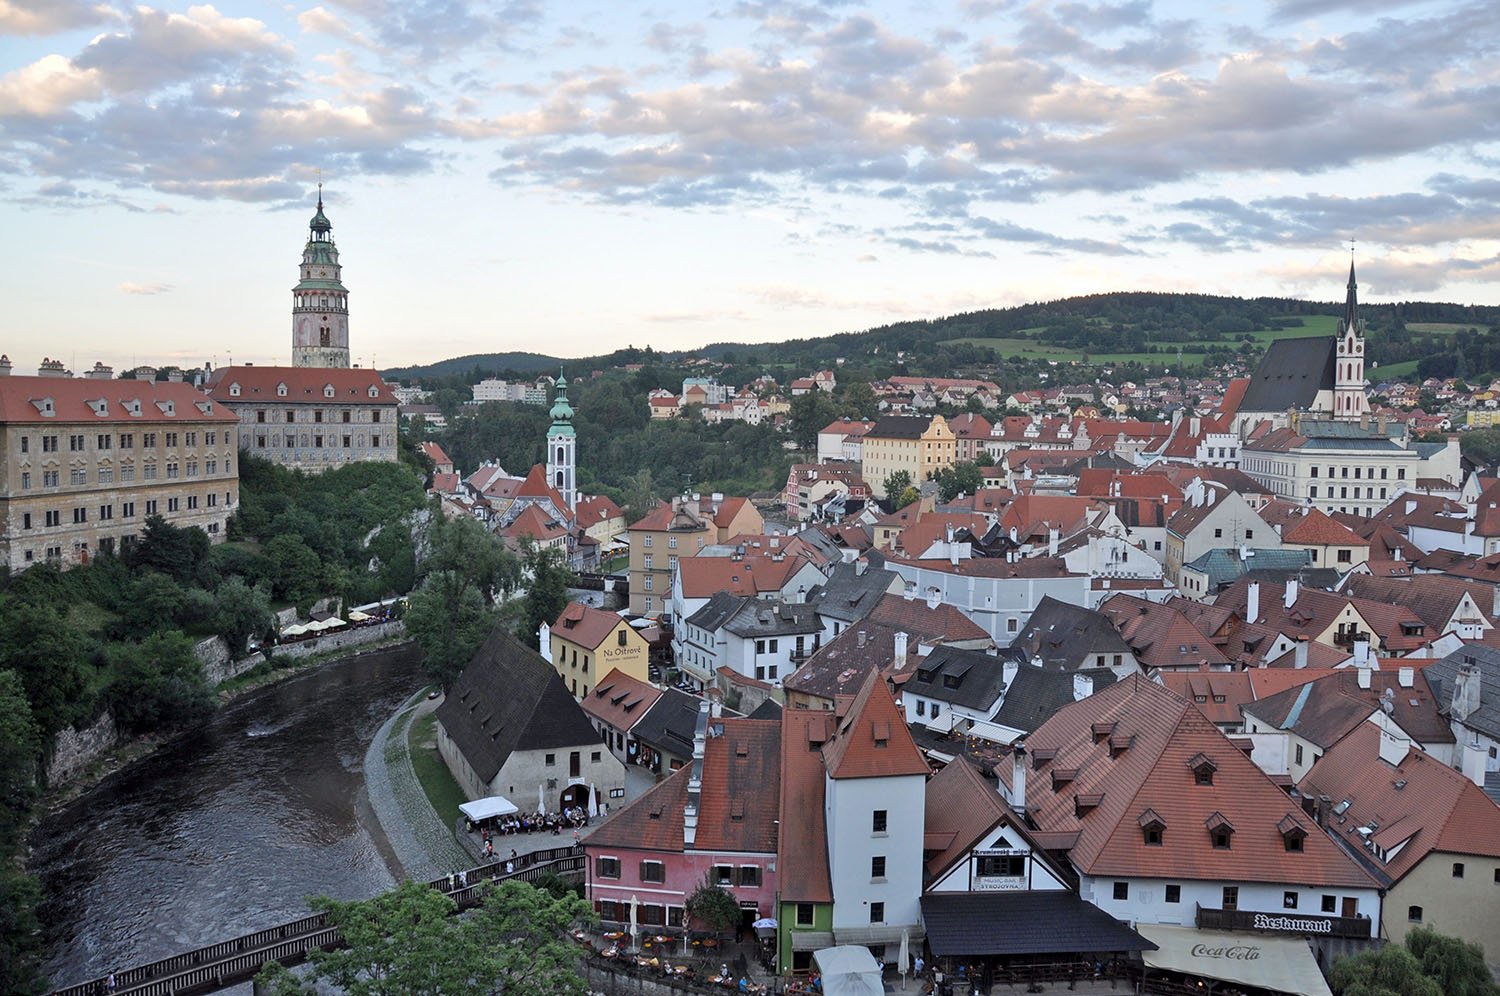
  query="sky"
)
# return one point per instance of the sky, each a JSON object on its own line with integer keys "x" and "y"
{"x": 571, "y": 178}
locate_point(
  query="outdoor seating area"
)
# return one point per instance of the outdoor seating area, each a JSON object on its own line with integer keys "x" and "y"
{"x": 691, "y": 959}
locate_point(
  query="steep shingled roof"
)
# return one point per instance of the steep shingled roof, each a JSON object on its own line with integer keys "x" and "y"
{"x": 585, "y": 625}
{"x": 871, "y": 739}
{"x": 1163, "y": 739}
{"x": 1290, "y": 375}
{"x": 802, "y": 852}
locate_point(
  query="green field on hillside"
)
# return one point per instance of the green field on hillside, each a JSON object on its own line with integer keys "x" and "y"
{"x": 1392, "y": 371}
{"x": 1440, "y": 328}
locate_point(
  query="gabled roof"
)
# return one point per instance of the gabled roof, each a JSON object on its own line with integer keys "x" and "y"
{"x": 1163, "y": 739}
{"x": 508, "y": 699}
{"x": 536, "y": 524}
{"x": 701, "y": 577}
{"x": 1035, "y": 694}
{"x": 852, "y": 591}
{"x": 620, "y": 700}
{"x": 1290, "y": 375}
{"x": 1303, "y": 525}
{"x": 1160, "y": 635}
{"x": 871, "y": 739}
{"x": 802, "y": 854}
{"x": 900, "y": 427}
{"x": 668, "y": 725}
{"x": 535, "y": 485}
{"x": 1065, "y": 636}
{"x": 756, "y": 618}
{"x": 738, "y": 800}
{"x": 1415, "y": 807}
{"x": 304, "y": 386}
{"x": 107, "y": 402}
{"x": 585, "y": 625}
{"x": 1223, "y": 566}
{"x": 969, "y": 679}
{"x": 594, "y": 509}
{"x": 1433, "y": 597}
{"x": 436, "y": 453}
{"x": 963, "y": 808}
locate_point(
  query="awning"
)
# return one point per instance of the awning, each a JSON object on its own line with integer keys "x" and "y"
{"x": 1280, "y": 964}
{"x": 849, "y": 970}
{"x": 1040, "y": 922}
{"x": 484, "y": 809}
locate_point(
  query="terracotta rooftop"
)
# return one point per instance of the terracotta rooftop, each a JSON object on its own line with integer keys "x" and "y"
{"x": 304, "y": 386}
{"x": 802, "y": 854}
{"x": 23, "y": 400}
{"x": 702, "y": 577}
{"x": 871, "y": 739}
{"x": 585, "y": 625}
{"x": 1165, "y": 740}
{"x": 620, "y": 700}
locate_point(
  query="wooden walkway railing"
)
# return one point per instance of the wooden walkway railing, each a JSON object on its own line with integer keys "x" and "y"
{"x": 225, "y": 963}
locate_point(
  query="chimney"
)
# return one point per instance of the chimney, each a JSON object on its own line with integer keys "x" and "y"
{"x": 1393, "y": 749}
{"x": 933, "y": 598}
{"x": 1406, "y": 677}
{"x": 860, "y": 638}
{"x": 1362, "y": 658}
{"x": 1052, "y": 535}
{"x": 1474, "y": 762}
{"x": 1009, "y": 670}
{"x": 1083, "y": 687}
{"x": 1324, "y": 808}
{"x": 1289, "y": 599}
{"x": 4, "y": 366}
{"x": 948, "y": 533}
{"x": 1465, "y": 691}
{"x": 695, "y": 777}
{"x": 1364, "y": 676}
{"x": 1300, "y": 660}
{"x": 1495, "y": 604}
{"x": 860, "y": 566}
{"x": 898, "y": 655}
{"x": 1252, "y": 603}
{"x": 101, "y": 372}
{"x": 1018, "y": 776}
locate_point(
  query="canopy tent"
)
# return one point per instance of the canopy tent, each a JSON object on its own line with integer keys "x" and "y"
{"x": 295, "y": 629}
{"x": 1280, "y": 964}
{"x": 849, "y": 970}
{"x": 1035, "y": 922}
{"x": 488, "y": 808}
{"x": 316, "y": 626}
{"x": 333, "y": 623}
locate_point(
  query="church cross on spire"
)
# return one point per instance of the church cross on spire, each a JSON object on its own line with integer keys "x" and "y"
{"x": 1351, "y": 302}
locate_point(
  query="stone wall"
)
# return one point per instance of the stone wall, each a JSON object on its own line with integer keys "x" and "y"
{"x": 341, "y": 639}
{"x": 73, "y": 749}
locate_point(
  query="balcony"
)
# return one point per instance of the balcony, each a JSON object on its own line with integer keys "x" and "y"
{"x": 1283, "y": 922}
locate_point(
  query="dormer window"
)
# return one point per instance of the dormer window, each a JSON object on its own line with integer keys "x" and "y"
{"x": 1119, "y": 744}
{"x": 99, "y": 407}
{"x": 374, "y": 391}
{"x": 1062, "y": 776}
{"x": 234, "y": 390}
{"x": 1041, "y": 757}
{"x": 1102, "y": 731}
{"x": 1152, "y": 827}
{"x": 1292, "y": 834}
{"x": 44, "y": 406}
{"x": 1086, "y": 803}
{"x": 1220, "y": 830}
{"x": 167, "y": 407}
{"x": 281, "y": 390}
{"x": 328, "y": 390}
{"x": 1203, "y": 769}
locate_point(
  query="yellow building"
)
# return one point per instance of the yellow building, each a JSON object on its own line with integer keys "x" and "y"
{"x": 681, "y": 529}
{"x": 88, "y": 460}
{"x": 1484, "y": 418}
{"x": 914, "y": 443}
{"x": 587, "y": 643}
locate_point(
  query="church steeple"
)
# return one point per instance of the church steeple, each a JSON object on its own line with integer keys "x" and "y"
{"x": 320, "y": 302}
{"x": 562, "y": 447}
{"x": 1349, "y": 400}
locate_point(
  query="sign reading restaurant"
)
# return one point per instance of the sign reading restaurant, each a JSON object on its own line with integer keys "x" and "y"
{"x": 1293, "y": 924}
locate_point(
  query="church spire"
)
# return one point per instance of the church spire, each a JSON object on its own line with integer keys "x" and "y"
{"x": 1351, "y": 304}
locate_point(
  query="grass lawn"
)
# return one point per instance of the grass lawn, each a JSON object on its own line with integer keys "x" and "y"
{"x": 1389, "y": 371}
{"x": 90, "y": 618}
{"x": 1443, "y": 328}
{"x": 442, "y": 791}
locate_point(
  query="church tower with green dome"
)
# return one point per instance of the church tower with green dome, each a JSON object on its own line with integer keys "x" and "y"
{"x": 320, "y": 303}
{"x": 562, "y": 447}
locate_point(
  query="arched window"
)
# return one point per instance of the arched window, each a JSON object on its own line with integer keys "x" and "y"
{"x": 559, "y": 479}
{"x": 559, "y": 454}
{"x": 1414, "y": 914}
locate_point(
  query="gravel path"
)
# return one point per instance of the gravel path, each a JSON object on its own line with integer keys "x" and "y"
{"x": 424, "y": 847}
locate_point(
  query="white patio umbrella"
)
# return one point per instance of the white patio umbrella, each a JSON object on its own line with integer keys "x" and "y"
{"x": 333, "y": 623}
{"x": 903, "y": 960}
{"x": 295, "y": 629}
{"x": 633, "y": 903}
{"x": 541, "y": 797}
{"x": 593, "y": 800}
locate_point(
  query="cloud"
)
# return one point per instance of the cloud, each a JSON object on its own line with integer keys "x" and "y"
{"x": 159, "y": 47}
{"x": 48, "y": 17}
{"x": 322, "y": 21}
{"x": 145, "y": 289}
{"x": 46, "y": 87}
{"x": 1397, "y": 273}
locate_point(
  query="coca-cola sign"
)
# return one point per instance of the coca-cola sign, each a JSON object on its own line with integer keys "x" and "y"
{"x": 1232, "y": 952}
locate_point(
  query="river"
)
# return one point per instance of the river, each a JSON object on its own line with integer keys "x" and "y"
{"x": 225, "y": 830}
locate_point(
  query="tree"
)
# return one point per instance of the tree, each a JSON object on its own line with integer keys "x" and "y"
{"x": 1391, "y": 971}
{"x": 20, "y": 933}
{"x": 963, "y": 478}
{"x": 20, "y": 746}
{"x": 859, "y": 400}
{"x": 713, "y": 906}
{"x": 152, "y": 605}
{"x": 172, "y": 551}
{"x": 473, "y": 554}
{"x": 448, "y": 620}
{"x": 896, "y": 483}
{"x": 639, "y": 493}
{"x": 910, "y": 496}
{"x": 50, "y": 656}
{"x": 158, "y": 683}
{"x": 984, "y": 459}
{"x": 241, "y": 612}
{"x": 408, "y": 942}
{"x": 297, "y": 572}
{"x": 1458, "y": 966}
{"x": 546, "y": 590}
{"x": 810, "y": 412}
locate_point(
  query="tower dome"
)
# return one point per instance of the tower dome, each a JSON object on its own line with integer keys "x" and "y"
{"x": 320, "y": 301}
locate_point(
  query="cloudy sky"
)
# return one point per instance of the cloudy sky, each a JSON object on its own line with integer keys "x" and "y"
{"x": 573, "y": 177}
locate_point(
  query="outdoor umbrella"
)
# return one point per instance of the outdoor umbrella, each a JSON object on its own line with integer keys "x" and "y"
{"x": 903, "y": 959}
{"x": 541, "y": 797}
{"x": 593, "y": 800}
{"x": 633, "y": 902}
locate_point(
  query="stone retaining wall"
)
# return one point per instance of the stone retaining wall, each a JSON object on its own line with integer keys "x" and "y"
{"x": 73, "y": 749}
{"x": 340, "y": 639}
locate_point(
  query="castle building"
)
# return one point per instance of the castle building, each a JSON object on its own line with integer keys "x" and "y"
{"x": 87, "y": 460}
{"x": 320, "y": 302}
{"x": 562, "y": 448}
{"x": 319, "y": 412}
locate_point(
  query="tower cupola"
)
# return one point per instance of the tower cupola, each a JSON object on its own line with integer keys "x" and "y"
{"x": 320, "y": 302}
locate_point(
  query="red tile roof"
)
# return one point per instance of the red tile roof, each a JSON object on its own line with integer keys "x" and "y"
{"x": 1165, "y": 738}
{"x": 702, "y": 577}
{"x": 21, "y": 401}
{"x": 594, "y": 509}
{"x": 872, "y": 740}
{"x": 535, "y": 523}
{"x": 304, "y": 386}
{"x": 535, "y": 486}
{"x": 1160, "y": 635}
{"x": 1420, "y": 802}
{"x": 620, "y": 700}
{"x": 802, "y": 854}
{"x": 585, "y": 625}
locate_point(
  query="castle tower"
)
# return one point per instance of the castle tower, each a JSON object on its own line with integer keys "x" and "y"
{"x": 320, "y": 303}
{"x": 562, "y": 447}
{"x": 1349, "y": 401}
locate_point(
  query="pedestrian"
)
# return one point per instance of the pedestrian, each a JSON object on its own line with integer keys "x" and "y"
{"x": 575, "y": 837}
{"x": 109, "y": 982}
{"x": 463, "y": 879}
{"x": 510, "y": 867}
{"x": 918, "y": 965}
{"x": 451, "y": 878}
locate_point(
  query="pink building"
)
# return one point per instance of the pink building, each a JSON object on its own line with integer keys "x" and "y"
{"x": 714, "y": 818}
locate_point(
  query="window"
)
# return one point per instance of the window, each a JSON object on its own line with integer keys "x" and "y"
{"x": 25, "y": 444}
{"x": 291, "y": 416}
{"x": 804, "y": 914}
{"x": 749, "y": 876}
{"x": 607, "y": 867}
{"x": 1218, "y": 534}
{"x": 171, "y": 439}
{"x": 620, "y": 638}
{"x": 1299, "y": 754}
{"x": 878, "y": 821}
{"x": 648, "y": 562}
{"x": 1330, "y": 904}
{"x": 192, "y": 502}
{"x": 151, "y": 507}
{"x": 260, "y": 416}
{"x": 646, "y": 541}
{"x": 1002, "y": 866}
{"x": 173, "y": 504}
{"x": 877, "y": 912}
{"x": 127, "y": 510}
{"x": 25, "y": 480}
{"x": 1122, "y": 891}
{"x": 347, "y": 417}
{"x": 671, "y": 543}
{"x": 1231, "y": 899}
{"x": 53, "y": 518}
{"x": 80, "y": 515}
{"x": 75, "y": 444}
{"x": 102, "y": 441}
{"x": 877, "y": 866}
{"x": 653, "y": 871}
{"x": 1221, "y": 840}
{"x": 106, "y": 475}
{"x": 78, "y": 475}
{"x": 551, "y": 759}
{"x": 921, "y": 708}
{"x": 594, "y": 757}
{"x": 172, "y": 471}
{"x": 1174, "y": 894}
{"x": 723, "y": 875}
{"x": 1345, "y": 556}
{"x": 1152, "y": 836}
{"x": 106, "y": 512}
{"x": 1288, "y": 900}
{"x": 49, "y": 444}
{"x": 51, "y": 478}
{"x": 26, "y": 520}
{"x": 1458, "y": 869}
{"x": 1414, "y": 914}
